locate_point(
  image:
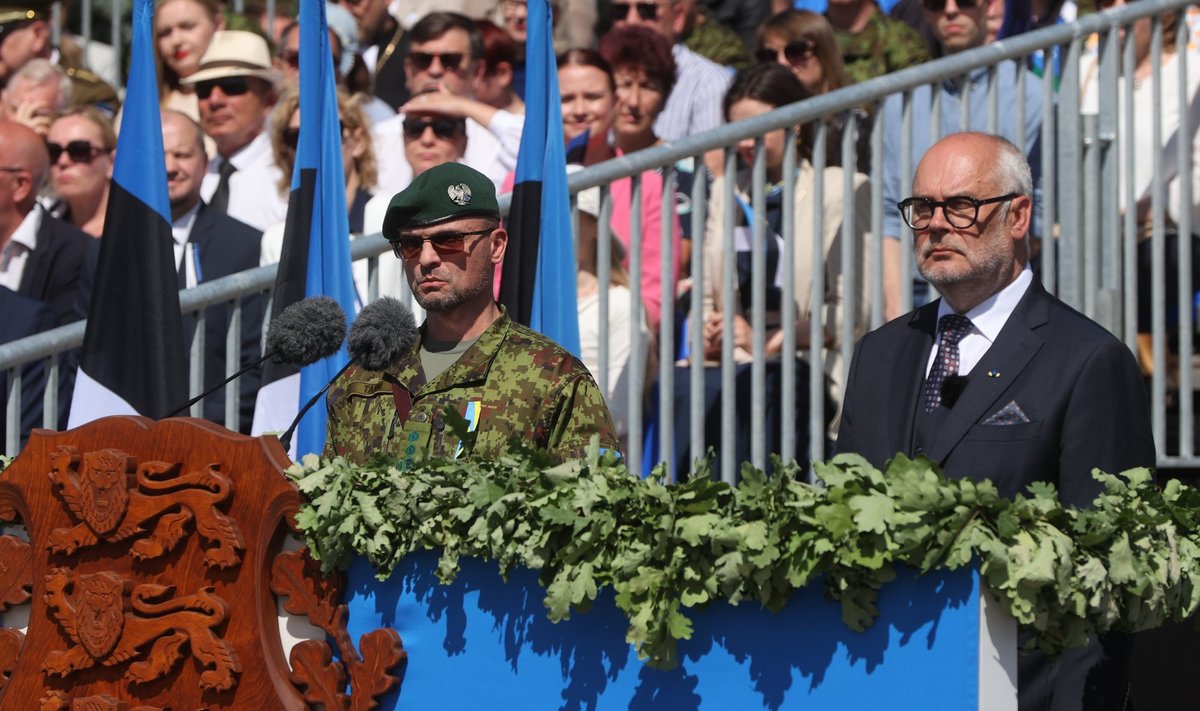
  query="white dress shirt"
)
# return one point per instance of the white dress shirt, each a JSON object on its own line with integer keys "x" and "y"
{"x": 181, "y": 231}
{"x": 15, "y": 253}
{"x": 987, "y": 319}
{"x": 254, "y": 196}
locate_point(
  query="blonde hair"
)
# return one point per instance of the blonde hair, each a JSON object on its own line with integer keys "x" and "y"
{"x": 98, "y": 118}
{"x": 353, "y": 119}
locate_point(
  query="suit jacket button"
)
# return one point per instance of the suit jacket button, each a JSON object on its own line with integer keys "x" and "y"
{"x": 920, "y": 450}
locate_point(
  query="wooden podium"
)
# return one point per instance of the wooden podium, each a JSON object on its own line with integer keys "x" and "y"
{"x": 151, "y": 567}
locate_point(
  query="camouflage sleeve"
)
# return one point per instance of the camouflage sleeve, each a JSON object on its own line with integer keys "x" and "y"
{"x": 579, "y": 414}
{"x": 904, "y": 47}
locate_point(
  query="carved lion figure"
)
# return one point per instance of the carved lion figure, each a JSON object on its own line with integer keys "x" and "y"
{"x": 107, "y": 631}
{"x": 96, "y": 488}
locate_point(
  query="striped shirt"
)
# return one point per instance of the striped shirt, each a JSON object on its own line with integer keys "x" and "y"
{"x": 694, "y": 105}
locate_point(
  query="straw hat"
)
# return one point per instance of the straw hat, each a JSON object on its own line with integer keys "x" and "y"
{"x": 235, "y": 53}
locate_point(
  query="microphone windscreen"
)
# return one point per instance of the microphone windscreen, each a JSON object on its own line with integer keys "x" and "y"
{"x": 307, "y": 331}
{"x": 383, "y": 332}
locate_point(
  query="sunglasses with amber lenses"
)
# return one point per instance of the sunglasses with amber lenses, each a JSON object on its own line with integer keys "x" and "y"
{"x": 446, "y": 243}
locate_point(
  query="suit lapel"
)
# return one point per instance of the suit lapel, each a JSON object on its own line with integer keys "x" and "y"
{"x": 35, "y": 275}
{"x": 910, "y": 357}
{"x": 1014, "y": 348}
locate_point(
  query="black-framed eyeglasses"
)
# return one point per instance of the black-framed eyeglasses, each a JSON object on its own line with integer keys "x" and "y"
{"x": 229, "y": 86}
{"x": 793, "y": 52}
{"x": 409, "y": 246}
{"x": 443, "y": 128}
{"x": 77, "y": 151}
{"x": 939, "y": 5}
{"x": 961, "y": 211}
{"x": 647, "y": 11}
{"x": 450, "y": 61}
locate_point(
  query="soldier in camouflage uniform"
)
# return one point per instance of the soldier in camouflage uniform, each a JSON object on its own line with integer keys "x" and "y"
{"x": 504, "y": 379}
{"x": 872, "y": 43}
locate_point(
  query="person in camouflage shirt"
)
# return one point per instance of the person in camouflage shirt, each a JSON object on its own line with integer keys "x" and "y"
{"x": 505, "y": 380}
{"x": 872, "y": 43}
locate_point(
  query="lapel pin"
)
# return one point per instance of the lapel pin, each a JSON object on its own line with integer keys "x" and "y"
{"x": 993, "y": 374}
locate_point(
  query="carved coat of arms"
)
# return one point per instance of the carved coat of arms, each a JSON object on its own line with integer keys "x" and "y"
{"x": 152, "y": 553}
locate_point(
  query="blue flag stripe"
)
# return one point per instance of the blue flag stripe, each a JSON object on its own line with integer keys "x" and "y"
{"x": 316, "y": 251}
{"x": 540, "y": 212}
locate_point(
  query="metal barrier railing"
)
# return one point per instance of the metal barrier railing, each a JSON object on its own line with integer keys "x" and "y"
{"x": 1088, "y": 249}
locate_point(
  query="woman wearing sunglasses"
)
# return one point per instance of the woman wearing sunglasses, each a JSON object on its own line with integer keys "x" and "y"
{"x": 358, "y": 154}
{"x": 804, "y": 42}
{"x": 756, "y": 91}
{"x": 358, "y": 162}
{"x": 80, "y": 143}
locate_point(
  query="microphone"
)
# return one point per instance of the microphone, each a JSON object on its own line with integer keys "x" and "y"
{"x": 952, "y": 389}
{"x": 304, "y": 333}
{"x": 383, "y": 332}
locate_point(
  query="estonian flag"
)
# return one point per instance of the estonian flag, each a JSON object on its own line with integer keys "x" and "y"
{"x": 538, "y": 284}
{"x": 316, "y": 239}
{"x": 133, "y": 358}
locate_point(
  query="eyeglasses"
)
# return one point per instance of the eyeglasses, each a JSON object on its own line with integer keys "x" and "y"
{"x": 961, "y": 211}
{"x": 443, "y": 128}
{"x": 423, "y": 60}
{"x": 793, "y": 52}
{"x": 939, "y": 5}
{"x": 646, "y": 10}
{"x": 444, "y": 244}
{"x": 291, "y": 136}
{"x": 230, "y": 86}
{"x": 77, "y": 151}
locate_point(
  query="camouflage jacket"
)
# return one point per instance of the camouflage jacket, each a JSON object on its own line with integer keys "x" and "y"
{"x": 884, "y": 46}
{"x": 512, "y": 382}
{"x": 719, "y": 43}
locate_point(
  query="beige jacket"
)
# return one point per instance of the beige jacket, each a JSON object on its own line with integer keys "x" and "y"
{"x": 836, "y": 205}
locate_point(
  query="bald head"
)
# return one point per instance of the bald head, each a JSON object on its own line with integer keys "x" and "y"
{"x": 972, "y": 204}
{"x": 21, "y": 147}
{"x": 187, "y": 127}
{"x": 186, "y": 161}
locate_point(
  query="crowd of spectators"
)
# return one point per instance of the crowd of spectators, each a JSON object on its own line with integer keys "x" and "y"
{"x": 424, "y": 83}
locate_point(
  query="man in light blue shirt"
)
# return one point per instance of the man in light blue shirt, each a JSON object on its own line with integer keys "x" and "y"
{"x": 963, "y": 105}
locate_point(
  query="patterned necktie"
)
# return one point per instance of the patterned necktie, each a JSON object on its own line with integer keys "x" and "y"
{"x": 220, "y": 196}
{"x": 953, "y": 328}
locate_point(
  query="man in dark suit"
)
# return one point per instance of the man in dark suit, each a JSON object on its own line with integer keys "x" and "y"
{"x": 998, "y": 379}
{"x": 23, "y": 317}
{"x": 210, "y": 245}
{"x": 40, "y": 257}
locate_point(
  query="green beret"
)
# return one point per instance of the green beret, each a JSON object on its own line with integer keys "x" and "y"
{"x": 444, "y": 192}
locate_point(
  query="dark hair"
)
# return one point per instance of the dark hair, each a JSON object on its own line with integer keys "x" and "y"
{"x": 586, "y": 57}
{"x": 642, "y": 48}
{"x": 498, "y": 46}
{"x": 436, "y": 24}
{"x": 795, "y": 25}
{"x": 772, "y": 84}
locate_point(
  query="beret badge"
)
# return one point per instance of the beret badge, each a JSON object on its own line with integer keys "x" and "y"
{"x": 460, "y": 193}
